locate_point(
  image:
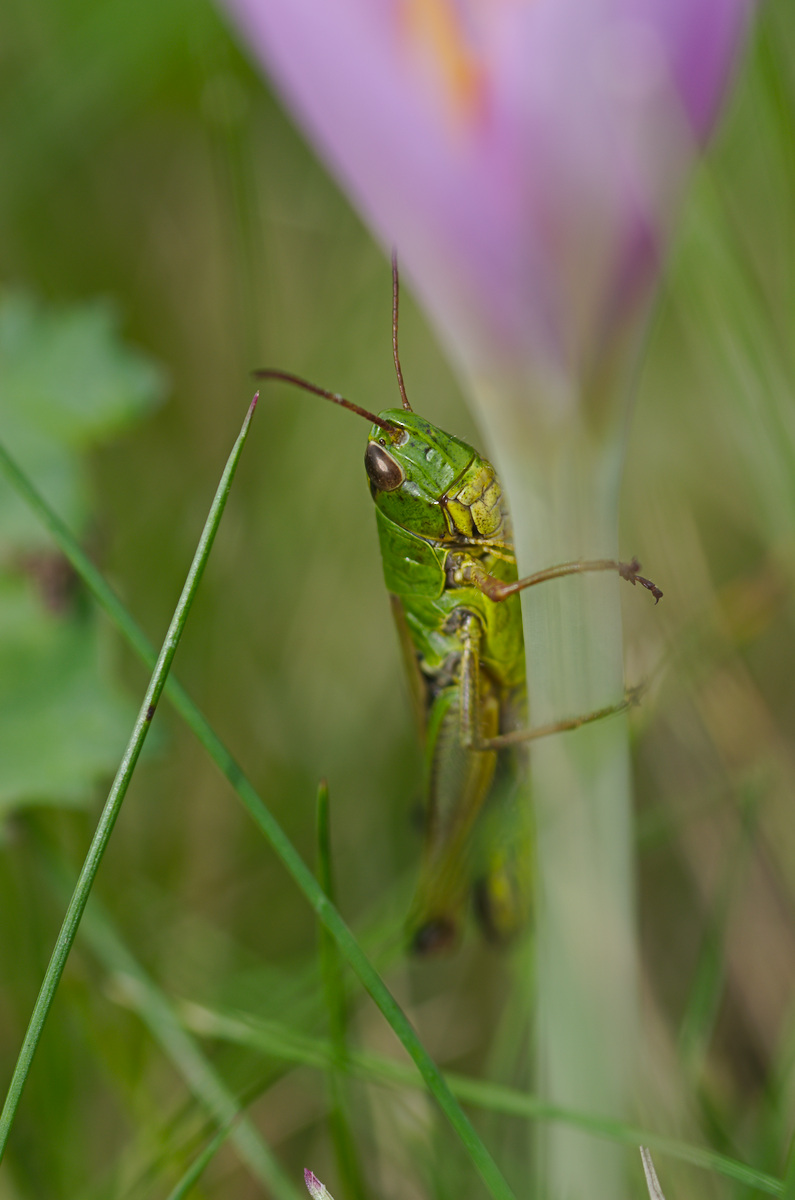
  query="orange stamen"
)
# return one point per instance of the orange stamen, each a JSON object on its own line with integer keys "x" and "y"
{"x": 435, "y": 28}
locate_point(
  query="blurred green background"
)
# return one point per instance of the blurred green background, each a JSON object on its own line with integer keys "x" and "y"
{"x": 150, "y": 184}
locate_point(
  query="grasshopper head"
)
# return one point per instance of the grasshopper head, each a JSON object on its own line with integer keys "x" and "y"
{"x": 410, "y": 466}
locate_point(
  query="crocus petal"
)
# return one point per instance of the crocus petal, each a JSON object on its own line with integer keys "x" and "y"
{"x": 525, "y": 156}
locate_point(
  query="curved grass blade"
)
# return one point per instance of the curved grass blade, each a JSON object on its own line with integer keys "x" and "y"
{"x": 199, "y": 1164}
{"x": 273, "y": 832}
{"x": 277, "y": 1041}
{"x": 116, "y": 795}
{"x": 788, "y": 1187}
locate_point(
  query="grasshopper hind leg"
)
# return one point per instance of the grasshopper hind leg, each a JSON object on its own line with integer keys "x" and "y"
{"x": 459, "y": 779}
{"x": 504, "y": 875}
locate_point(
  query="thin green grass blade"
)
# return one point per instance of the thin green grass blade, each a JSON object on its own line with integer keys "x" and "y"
{"x": 707, "y": 987}
{"x": 273, "y": 832}
{"x": 116, "y": 795}
{"x": 199, "y": 1165}
{"x": 348, "y": 1163}
{"x": 788, "y": 1188}
{"x": 274, "y": 1039}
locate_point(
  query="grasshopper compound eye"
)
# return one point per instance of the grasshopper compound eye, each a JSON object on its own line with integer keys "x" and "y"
{"x": 383, "y": 471}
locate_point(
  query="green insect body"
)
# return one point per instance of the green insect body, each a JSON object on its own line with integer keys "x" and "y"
{"x": 450, "y": 570}
{"x": 441, "y": 519}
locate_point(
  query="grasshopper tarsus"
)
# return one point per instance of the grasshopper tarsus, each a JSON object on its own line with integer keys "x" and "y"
{"x": 629, "y": 571}
{"x": 634, "y": 694}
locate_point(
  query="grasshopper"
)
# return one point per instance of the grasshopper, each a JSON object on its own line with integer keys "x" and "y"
{"x": 450, "y": 570}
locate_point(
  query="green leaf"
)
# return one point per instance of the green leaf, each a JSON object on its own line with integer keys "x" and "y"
{"x": 66, "y": 381}
{"x": 64, "y": 722}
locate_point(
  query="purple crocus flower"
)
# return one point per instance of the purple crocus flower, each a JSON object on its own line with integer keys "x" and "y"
{"x": 523, "y": 155}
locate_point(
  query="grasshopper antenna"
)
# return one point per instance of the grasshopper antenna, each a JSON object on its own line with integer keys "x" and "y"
{"x": 335, "y": 397}
{"x": 395, "y": 293}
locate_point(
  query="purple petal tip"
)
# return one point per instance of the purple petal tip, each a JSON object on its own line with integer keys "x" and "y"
{"x": 316, "y": 1189}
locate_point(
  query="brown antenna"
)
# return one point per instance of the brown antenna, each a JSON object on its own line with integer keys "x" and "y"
{"x": 395, "y": 292}
{"x": 335, "y": 397}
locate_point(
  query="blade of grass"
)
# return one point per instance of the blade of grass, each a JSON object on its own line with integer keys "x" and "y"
{"x": 703, "y": 1002}
{"x": 273, "y": 1039}
{"x": 348, "y": 1164}
{"x": 272, "y": 831}
{"x": 199, "y": 1165}
{"x": 788, "y": 1189}
{"x": 116, "y": 795}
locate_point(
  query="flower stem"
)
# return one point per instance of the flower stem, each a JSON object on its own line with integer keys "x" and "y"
{"x": 563, "y": 484}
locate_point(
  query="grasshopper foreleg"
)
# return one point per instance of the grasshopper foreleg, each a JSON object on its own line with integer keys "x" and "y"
{"x": 471, "y": 572}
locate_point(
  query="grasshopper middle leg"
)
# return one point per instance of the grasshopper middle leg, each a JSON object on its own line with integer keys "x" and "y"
{"x": 470, "y": 632}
